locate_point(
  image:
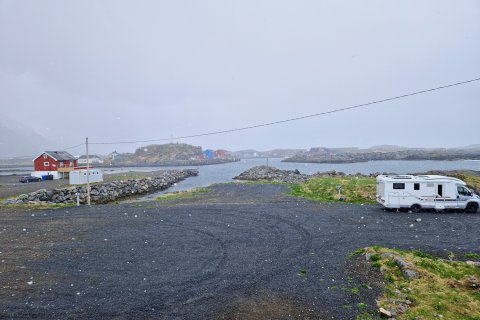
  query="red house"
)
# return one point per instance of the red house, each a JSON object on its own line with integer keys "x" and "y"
{"x": 220, "y": 154}
{"x": 56, "y": 163}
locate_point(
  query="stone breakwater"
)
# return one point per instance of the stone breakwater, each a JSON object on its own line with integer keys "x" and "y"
{"x": 105, "y": 192}
{"x": 264, "y": 173}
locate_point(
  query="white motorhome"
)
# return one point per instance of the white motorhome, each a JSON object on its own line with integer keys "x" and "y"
{"x": 425, "y": 192}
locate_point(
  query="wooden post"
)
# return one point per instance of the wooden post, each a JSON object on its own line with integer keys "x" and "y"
{"x": 88, "y": 174}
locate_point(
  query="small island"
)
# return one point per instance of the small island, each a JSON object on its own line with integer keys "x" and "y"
{"x": 170, "y": 154}
{"x": 385, "y": 152}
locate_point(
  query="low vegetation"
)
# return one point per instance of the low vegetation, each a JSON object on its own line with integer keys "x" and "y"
{"x": 447, "y": 289}
{"x": 183, "y": 194}
{"x": 361, "y": 189}
{"x": 472, "y": 181}
{"x": 354, "y": 189}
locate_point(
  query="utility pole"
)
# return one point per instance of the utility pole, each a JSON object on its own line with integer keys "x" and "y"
{"x": 88, "y": 173}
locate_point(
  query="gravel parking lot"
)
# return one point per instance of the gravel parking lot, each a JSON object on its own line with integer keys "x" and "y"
{"x": 240, "y": 251}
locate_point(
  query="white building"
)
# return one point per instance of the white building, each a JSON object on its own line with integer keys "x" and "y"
{"x": 92, "y": 159}
{"x": 80, "y": 176}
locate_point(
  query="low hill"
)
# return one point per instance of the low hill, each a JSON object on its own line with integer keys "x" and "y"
{"x": 169, "y": 154}
{"x": 343, "y": 155}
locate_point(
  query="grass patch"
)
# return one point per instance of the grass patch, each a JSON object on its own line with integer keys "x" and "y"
{"x": 472, "y": 256}
{"x": 472, "y": 181}
{"x": 356, "y": 253}
{"x": 302, "y": 274}
{"x": 324, "y": 189}
{"x": 362, "y": 306}
{"x": 446, "y": 289}
{"x": 251, "y": 182}
{"x": 355, "y": 290}
{"x": 364, "y": 316}
{"x": 183, "y": 194}
{"x": 422, "y": 254}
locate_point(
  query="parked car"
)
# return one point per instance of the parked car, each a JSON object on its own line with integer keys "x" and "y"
{"x": 29, "y": 179}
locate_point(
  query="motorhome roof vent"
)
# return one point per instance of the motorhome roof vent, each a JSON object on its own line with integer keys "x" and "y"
{"x": 402, "y": 177}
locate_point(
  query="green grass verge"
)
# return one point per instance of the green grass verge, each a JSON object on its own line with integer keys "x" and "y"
{"x": 183, "y": 194}
{"x": 444, "y": 289}
{"x": 250, "y": 182}
{"x": 324, "y": 189}
{"x": 472, "y": 181}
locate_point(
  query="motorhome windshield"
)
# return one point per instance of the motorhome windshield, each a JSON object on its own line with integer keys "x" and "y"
{"x": 463, "y": 191}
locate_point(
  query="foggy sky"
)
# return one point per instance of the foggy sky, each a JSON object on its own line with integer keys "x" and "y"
{"x": 137, "y": 70}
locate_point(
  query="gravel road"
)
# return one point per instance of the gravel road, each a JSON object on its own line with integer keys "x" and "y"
{"x": 241, "y": 251}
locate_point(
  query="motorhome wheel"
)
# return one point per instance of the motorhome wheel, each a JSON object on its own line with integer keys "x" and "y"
{"x": 471, "y": 207}
{"x": 415, "y": 208}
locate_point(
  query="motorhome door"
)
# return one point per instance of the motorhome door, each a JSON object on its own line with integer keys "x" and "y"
{"x": 440, "y": 190}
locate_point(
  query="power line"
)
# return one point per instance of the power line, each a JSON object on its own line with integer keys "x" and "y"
{"x": 296, "y": 118}
{"x": 274, "y": 122}
{"x": 73, "y": 147}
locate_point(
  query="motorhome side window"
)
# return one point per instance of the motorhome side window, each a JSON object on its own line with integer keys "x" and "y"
{"x": 399, "y": 186}
{"x": 416, "y": 186}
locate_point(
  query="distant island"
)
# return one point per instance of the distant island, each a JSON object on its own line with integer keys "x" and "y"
{"x": 171, "y": 154}
{"x": 384, "y": 152}
{"x": 275, "y": 153}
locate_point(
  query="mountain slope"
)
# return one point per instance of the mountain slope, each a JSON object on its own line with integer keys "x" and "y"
{"x": 19, "y": 140}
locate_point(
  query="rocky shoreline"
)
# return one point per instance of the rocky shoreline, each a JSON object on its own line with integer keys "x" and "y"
{"x": 316, "y": 155}
{"x": 264, "y": 173}
{"x": 105, "y": 192}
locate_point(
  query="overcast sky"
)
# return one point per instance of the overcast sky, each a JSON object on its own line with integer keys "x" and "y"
{"x": 137, "y": 70}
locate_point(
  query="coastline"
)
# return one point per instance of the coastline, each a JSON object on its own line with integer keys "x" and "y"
{"x": 370, "y": 160}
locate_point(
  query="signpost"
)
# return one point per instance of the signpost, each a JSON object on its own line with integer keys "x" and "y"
{"x": 339, "y": 189}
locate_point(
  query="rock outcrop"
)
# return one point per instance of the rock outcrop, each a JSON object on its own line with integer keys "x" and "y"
{"x": 264, "y": 173}
{"x": 105, "y": 192}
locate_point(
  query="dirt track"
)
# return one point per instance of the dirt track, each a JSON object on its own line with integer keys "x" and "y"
{"x": 241, "y": 251}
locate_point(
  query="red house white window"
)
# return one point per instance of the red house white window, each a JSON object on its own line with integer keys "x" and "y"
{"x": 53, "y": 160}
